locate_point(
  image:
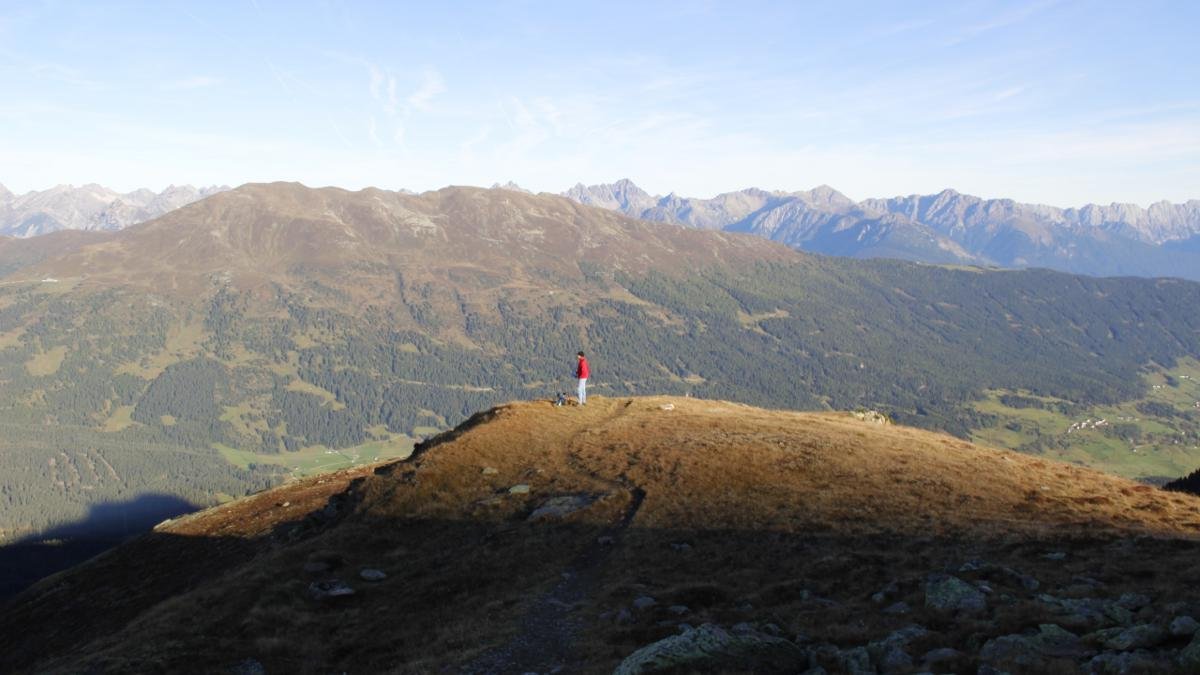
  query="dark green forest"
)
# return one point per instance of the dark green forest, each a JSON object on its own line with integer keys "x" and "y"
{"x": 105, "y": 394}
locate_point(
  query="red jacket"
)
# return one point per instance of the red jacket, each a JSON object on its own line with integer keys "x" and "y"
{"x": 581, "y": 371}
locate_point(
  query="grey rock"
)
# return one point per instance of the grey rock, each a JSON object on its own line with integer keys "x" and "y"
{"x": 681, "y": 547}
{"x": 1129, "y": 663}
{"x": 489, "y": 471}
{"x": 247, "y": 667}
{"x": 856, "y": 661}
{"x": 1086, "y": 613}
{"x": 624, "y": 616}
{"x": 710, "y": 647}
{"x": 1133, "y": 601}
{"x": 678, "y": 610}
{"x": 891, "y": 653}
{"x": 559, "y": 507}
{"x": 941, "y": 655}
{"x": 519, "y": 489}
{"x": 644, "y": 602}
{"x": 951, "y": 594}
{"x": 1055, "y": 555}
{"x": 1189, "y": 656}
{"x": 605, "y": 540}
{"x": 1183, "y": 626}
{"x": 886, "y": 593}
{"x": 317, "y": 567}
{"x": 332, "y": 588}
{"x": 1137, "y": 637}
{"x": 898, "y": 608}
{"x": 1029, "y": 652}
{"x": 370, "y": 574}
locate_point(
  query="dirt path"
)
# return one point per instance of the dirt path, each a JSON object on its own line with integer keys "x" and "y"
{"x": 548, "y": 629}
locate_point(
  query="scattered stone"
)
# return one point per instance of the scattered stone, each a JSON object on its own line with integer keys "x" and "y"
{"x": 247, "y": 667}
{"x": 286, "y": 504}
{"x": 559, "y": 507}
{"x": 886, "y": 593}
{"x": 681, "y": 547}
{"x": 942, "y": 655}
{"x": 317, "y": 567}
{"x": 644, "y": 602}
{"x": 1141, "y": 636}
{"x": 332, "y": 588}
{"x": 951, "y": 594}
{"x": 1189, "y": 658}
{"x": 605, "y": 540}
{"x": 1087, "y": 614}
{"x": 1055, "y": 555}
{"x": 624, "y": 616}
{"x": 745, "y": 606}
{"x": 856, "y": 661}
{"x": 667, "y": 406}
{"x": 872, "y": 417}
{"x": 712, "y": 648}
{"x": 519, "y": 489}
{"x": 490, "y": 471}
{"x": 1183, "y": 626}
{"x": 984, "y": 587}
{"x": 898, "y": 608}
{"x": 678, "y": 610}
{"x": 369, "y": 574}
{"x": 891, "y": 653}
{"x": 1133, "y": 601}
{"x": 1031, "y": 652}
{"x": 1128, "y": 663}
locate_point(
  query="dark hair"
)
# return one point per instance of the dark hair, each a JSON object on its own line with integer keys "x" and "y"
{"x": 580, "y": 354}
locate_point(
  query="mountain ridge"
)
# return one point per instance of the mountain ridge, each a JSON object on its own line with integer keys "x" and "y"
{"x": 89, "y": 207}
{"x": 947, "y": 227}
{"x": 535, "y": 537}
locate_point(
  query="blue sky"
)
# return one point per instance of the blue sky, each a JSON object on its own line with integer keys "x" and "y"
{"x": 1060, "y": 102}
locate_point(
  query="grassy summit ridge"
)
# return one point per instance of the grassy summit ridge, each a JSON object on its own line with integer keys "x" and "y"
{"x": 736, "y": 513}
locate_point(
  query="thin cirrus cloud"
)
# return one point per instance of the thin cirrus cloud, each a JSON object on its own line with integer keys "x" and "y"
{"x": 189, "y": 83}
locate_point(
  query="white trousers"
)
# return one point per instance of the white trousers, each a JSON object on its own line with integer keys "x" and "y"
{"x": 582, "y": 390}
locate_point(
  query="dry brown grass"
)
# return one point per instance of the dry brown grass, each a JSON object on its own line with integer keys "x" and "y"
{"x": 790, "y": 518}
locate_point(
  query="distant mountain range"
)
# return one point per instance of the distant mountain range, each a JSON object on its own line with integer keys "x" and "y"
{"x": 948, "y": 227}
{"x": 89, "y": 207}
{"x": 944, "y": 228}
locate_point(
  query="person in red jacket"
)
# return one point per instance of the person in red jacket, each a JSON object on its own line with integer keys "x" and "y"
{"x": 581, "y": 372}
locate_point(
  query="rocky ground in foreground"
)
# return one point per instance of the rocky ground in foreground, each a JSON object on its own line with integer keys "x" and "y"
{"x": 648, "y": 535}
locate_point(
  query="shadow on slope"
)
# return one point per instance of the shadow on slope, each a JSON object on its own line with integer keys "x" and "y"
{"x": 517, "y": 593}
{"x": 106, "y": 524}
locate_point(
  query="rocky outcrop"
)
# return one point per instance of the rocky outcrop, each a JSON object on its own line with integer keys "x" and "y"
{"x": 710, "y": 647}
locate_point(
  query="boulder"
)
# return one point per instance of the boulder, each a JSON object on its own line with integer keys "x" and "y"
{"x": 1032, "y": 652}
{"x": 712, "y": 648}
{"x": 1189, "y": 657}
{"x": 1184, "y": 626}
{"x": 1086, "y": 614}
{"x": 331, "y": 588}
{"x": 856, "y": 661}
{"x": 247, "y": 667}
{"x": 644, "y": 602}
{"x": 1141, "y": 636}
{"x": 369, "y": 574}
{"x": 951, "y": 594}
{"x": 560, "y": 506}
{"x": 1129, "y": 663}
{"x": 940, "y": 656}
{"x": 891, "y": 653}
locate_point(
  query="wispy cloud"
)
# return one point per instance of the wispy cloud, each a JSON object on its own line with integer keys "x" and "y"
{"x": 195, "y": 82}
{"x": 1009, "y": 17}
{"x": 432, "y": 85}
